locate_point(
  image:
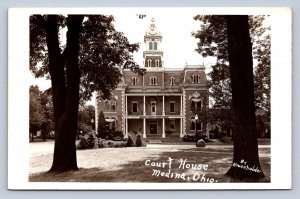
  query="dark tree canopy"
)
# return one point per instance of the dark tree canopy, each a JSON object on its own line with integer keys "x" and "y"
{"x": 213, "y": 42}
{"x": 102, "y": 49}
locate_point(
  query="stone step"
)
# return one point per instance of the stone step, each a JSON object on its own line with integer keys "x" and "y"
{"x": 155, "y": 141}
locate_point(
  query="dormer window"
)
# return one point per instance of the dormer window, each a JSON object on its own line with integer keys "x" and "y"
{"x": 149, "y": 62}
{"x": 195, "y": 79}
{"x": 153, "y": 80}
{"x": 133, "y": 81}
{"x": 157, "y": 63}
{"x": 172, "y": 81}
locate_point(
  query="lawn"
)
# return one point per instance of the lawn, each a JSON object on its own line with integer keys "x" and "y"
{"x": 146, "y": 164}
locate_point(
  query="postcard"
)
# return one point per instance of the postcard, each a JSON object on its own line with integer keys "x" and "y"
{"x": 149, "y": 98}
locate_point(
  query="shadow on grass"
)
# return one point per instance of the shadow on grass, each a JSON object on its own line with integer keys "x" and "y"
{"x": 218, "y": 161}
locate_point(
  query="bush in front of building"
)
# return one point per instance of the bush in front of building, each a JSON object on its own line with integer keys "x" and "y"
{"x": 129, "y": 141}
{"x": 91, "y": 141}
{"x": 136, "y": 138}
{"x": 139, "y": 141}
{"x": 88, "y": 141}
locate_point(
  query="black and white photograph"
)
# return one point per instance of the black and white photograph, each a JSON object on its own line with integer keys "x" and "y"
{"x": 150, "y": 98}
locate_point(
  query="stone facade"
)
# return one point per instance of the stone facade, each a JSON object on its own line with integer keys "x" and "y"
{"x": 163, "y": 102}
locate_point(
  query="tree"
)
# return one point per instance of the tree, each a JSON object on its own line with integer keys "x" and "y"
{"x": 36, "y": 112}
{"x": 213, "y": 42}
{"x": 241, "y": 75}
{"x": 86, "y": 118}
{"x": 101, "y": 125}
{"x": 48, "y": 124}
{"x": 87, "y": 62}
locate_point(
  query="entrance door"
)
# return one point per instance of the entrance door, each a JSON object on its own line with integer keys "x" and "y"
{"x": 153, "y": 126}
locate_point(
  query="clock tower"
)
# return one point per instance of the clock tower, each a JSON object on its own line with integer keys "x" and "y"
{"x": 153, "y": 53}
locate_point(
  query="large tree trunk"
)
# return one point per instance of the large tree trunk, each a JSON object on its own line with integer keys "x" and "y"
{"x": 241, "y": 72}
{"x": 65, "y": 147}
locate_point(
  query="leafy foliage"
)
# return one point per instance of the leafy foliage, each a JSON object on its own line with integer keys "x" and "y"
{"x": 213, "y": 42}
{"x": 36, "y": 111}
{"x": 101, "y": 125}
{"x": 102, "y": 50}
{"x": 86, "y": 118}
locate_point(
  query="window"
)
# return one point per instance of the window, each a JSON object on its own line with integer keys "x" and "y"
{"x": 195, "y": 79}
{"x": 172, "y": 107}
{"x": 196, "y": 106}
{"x": 134, "y": 107}
{"x": 172, "y": 81}
{"x": 133, "y": 81}
{"x": 155, "y": 45}
{"x": 149, "y": 62}
{"x": 150, "y": 45}
{"x": 157, "y": 63}
{"x": 153, "y": 81}
{"x": 153, "y": 107}
{"x": 196, "y": 125}
{"x": 110, "y": 106}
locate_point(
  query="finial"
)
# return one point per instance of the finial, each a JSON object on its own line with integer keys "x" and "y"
{"x": 152, "y": 20}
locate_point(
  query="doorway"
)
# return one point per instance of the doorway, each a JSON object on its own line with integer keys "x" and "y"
{"x": 153, "y": 126}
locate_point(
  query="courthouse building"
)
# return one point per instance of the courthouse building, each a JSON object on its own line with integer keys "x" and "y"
{"x": 163, "y": 102}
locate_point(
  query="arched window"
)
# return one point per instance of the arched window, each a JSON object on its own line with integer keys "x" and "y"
{"x": 149, "y": 62}
{"x": 195, "y": 79}
{"x": 196, "y": 105}
{"x": 172, "y": 81}
{"x": 196, "y": 125}
{"x": 153, "y": 80}
{"x": 157, "y": 62}
{"x": 133, "y": 81}
{"x": 155, "y": 45}
{"x": 150, "y": 45}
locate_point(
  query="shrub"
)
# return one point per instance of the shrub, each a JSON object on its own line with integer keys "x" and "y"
{"x": 129, "y": 142}
{"x": 88, "y": 141}
{"x": 139, "y": 141}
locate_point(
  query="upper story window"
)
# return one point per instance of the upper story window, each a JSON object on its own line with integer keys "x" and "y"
{"x": 157, "y": 63}
{"x": 149, "y": 62}
{"x": 134, "y": 107}
{"x": 172, "y": 81}
{"x": 195, "y": 79}
{"x": 133, "y": 81}
{"x": 150, "y": 46}
{"x": 110, "y": 106}
{"x": 153, "y": 80}
{"x": 172, "y": 107}
{"x": 196, "y": 105}
{"x": 155, "y": 45}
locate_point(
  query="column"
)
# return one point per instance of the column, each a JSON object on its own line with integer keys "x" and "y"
{"x": 144, "y": 111}
{"x": 144, "y": 120}
{"x": 163, "y": 121}
{"x": 181, "y": 134}
{"x": 126, "y": 110}
{"x": 163, "y": 108}
{"x": 163, "y": 129}
{"x": 181, "y": 101}
{"x": 144, "y": 126}
{"x": 126, "y": 131}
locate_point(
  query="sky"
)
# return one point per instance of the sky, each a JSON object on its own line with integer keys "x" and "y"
{"x": 178, "y": 44}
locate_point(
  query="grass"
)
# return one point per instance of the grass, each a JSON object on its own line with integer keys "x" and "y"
{"x": 128, "y": 165}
